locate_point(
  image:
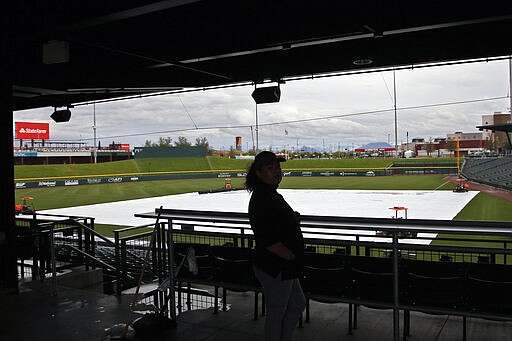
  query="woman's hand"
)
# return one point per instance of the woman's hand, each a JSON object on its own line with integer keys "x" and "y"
{"x": 282, "y": 251}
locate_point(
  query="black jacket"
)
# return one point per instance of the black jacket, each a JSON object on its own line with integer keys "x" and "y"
{"x": 273, "y": 220}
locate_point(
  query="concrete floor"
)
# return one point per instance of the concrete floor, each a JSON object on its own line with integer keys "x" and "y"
{"x": 35, "y": 313}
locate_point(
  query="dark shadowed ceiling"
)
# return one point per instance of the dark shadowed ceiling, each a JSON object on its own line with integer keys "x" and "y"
{"x": 102, "y": 49}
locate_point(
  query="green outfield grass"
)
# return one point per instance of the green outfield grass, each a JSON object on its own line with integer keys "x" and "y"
{"x": 482, "y": 207}
{"x": 403, "y": 182}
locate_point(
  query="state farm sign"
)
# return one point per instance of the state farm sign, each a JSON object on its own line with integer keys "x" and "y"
{"x": 32, "y": 130}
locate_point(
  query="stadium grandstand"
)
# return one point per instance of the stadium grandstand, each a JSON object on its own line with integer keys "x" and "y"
{"x": 493, "y": 171}
{"x": 46, "y": 152}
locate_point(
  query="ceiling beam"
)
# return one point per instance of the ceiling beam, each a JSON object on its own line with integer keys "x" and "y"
{"x": 126, "y": 14}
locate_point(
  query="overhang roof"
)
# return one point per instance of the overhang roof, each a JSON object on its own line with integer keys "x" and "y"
{"x": 506, "y": 127}
{"x": 119, "y": 48}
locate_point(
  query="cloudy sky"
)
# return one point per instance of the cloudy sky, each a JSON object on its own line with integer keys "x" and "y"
{"x": 331, "y": 113}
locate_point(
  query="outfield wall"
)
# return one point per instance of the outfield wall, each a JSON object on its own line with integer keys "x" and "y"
{"x": 169, "y": 152}
{"x": 109, "y": 179}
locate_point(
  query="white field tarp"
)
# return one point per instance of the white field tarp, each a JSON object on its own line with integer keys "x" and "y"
{"x": 437, "y": 205}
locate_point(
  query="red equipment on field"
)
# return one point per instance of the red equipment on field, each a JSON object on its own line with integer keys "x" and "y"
{"x": 227, "y": 184}
{"x": 403, "y": 234}
{"x": 462, "y": 186}
{"x": 26, "y": 207}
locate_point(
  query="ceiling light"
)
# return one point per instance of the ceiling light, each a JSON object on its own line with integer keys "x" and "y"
{"x": 361, "y": 62}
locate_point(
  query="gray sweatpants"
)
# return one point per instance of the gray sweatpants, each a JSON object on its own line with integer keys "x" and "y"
{"x": 284, "y": 302}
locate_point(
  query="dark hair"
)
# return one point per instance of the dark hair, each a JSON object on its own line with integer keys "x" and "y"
{"x": 262, "y": 159}
{"x": 251, "y": 179}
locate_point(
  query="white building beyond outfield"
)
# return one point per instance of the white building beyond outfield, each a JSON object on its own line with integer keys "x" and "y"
{"x": 437, "y": 205}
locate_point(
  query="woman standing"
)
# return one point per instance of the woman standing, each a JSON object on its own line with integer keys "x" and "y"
{"x": 278, "y": 254}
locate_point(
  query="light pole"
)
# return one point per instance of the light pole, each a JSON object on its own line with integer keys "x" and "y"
{"x": 257, "y": 137}
{"x": 394, "y": 99}
{"x": 94, "y": 150}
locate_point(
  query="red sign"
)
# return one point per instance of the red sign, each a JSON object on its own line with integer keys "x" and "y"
{"x": 32, "y": 130}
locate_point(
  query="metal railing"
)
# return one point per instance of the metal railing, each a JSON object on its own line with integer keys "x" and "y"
{"x": 38, "y": 235}
{"x": 394, "y": 239}
{"x": 464, "y": 242}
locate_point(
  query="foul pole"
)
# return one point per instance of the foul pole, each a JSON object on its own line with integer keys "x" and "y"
{"x": 458, "y": 154}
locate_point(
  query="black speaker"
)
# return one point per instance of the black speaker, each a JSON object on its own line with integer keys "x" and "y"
{"x": 269, "y": 94}
{"x": 61, "y": 115}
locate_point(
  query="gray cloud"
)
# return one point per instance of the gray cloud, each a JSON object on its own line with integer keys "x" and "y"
{"x": 342, "y": 110}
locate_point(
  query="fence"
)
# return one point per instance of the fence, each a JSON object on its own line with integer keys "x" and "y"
{"x": 402, "y": 246}
{"x": 475, "y": 255}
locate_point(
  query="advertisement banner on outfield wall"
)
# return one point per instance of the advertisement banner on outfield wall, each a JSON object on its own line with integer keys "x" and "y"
{"x": 32, "y": 130}
{"x": 156, "y": 177}
{"x": 222, "y": 175}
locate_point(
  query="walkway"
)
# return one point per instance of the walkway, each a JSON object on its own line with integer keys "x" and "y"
{"x": 36, "y": 315}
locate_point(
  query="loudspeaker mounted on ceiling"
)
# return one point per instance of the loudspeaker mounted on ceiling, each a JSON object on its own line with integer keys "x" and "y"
{"x": 269, "y": 94}
{"x": 61, "y": 115}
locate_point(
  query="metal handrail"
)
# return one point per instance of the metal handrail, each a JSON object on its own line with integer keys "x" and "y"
{"x": 331, "y": 225}
{"x": 391, "y": 225}
{"x": 83, "y": 253}
{"x": 357, "y": 223}
{"x": 87, "y": 228}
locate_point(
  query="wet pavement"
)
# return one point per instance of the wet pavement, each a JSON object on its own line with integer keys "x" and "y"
{"x": 36, "y": 313}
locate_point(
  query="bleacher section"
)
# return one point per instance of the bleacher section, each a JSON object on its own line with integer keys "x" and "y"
{"x": 452, "y": 277}
{"x": 493, "y": 171}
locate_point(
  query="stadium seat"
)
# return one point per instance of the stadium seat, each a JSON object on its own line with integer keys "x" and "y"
{"x": 201, "y": 256}
{"x": 327, "y": 279}
{"x": 233, "y": 271}
{"x": 493, "y": 171}
{"x": 193, "y": 265}
{"x": 434, "y": 288}
{"x": 372, "y": 279}
{"x": 489, "y": 288}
